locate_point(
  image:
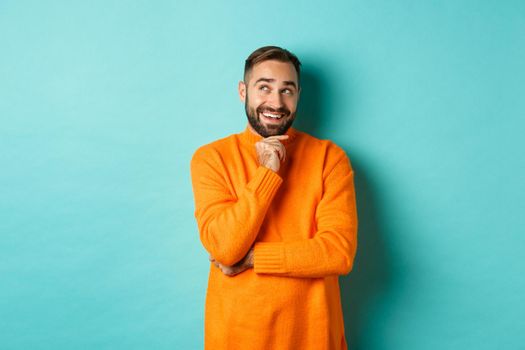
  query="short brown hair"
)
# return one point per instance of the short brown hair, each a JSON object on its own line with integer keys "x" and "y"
{"x": 272, "y": 53}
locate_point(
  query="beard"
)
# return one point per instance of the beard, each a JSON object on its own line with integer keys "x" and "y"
{"x": 266, "y": 130}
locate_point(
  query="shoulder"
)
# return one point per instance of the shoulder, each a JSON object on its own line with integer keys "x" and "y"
{"x": 330, "y": 148}
{"x": 212, "y": 149}
{"x": 333, "y": 155}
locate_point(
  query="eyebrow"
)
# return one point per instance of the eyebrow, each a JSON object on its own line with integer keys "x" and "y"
{"x": 268, "y": 80}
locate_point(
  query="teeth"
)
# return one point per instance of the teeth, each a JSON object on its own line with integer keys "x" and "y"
{"x": 274, "y": 116}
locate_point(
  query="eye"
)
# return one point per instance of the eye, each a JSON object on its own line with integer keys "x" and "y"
{"x": 264, "y": 88}
{"x": 287, "y": 91}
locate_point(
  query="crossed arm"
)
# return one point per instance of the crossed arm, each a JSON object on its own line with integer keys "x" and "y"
{"x": 331, "y": 251}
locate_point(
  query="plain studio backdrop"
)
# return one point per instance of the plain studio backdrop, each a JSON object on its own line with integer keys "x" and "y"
{"x": 102, "y": 104}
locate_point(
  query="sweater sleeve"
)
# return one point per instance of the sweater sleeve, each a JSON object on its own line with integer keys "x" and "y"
{"x": 228, "y": 225}
{"x": 332, "y": 249}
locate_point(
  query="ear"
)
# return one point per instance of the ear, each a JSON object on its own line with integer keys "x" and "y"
{"x": 242, "y": 91}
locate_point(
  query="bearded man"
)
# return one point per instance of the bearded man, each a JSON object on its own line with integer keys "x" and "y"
{"x": 276, "y": 211}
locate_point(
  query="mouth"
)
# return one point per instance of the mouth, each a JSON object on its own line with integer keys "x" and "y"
{"x": 271, "y": 117}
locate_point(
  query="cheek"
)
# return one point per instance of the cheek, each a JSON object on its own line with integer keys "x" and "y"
{"x": 291, "y": 104}
{"x": 257, "y": 101}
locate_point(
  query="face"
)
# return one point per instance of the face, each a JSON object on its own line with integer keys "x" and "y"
{"x": 270, "y": 94}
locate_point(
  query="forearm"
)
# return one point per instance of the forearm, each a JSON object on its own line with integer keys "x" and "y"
{"x": 228, "y": 230}
{"x": 328, "y": 253}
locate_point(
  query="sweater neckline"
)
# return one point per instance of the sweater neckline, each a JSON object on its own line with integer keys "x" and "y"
{"x": 251, "y": 137}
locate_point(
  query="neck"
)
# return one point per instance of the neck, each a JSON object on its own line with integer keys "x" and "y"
{"x": 251, "y": 136}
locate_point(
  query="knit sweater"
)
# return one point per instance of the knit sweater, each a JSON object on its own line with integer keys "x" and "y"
{"x": 302, "y": 223}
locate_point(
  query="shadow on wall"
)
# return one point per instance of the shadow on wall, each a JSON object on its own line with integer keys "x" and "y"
{"x": 365, "y": 289}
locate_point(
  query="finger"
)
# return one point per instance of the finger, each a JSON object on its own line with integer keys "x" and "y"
{"x": 281, "y": 151}
{"x": 231, "y": 272}
{"x": 228, "y": 271}
{"x": 278, "y": 137}
{"x": 271, "y": 148}
{"x": 272, "y": 139}
{"x": 276, "y": 153}
{"x": 272, "y": 142}
{"x": 275, "y": 144}
{"x": 268, "y": 145}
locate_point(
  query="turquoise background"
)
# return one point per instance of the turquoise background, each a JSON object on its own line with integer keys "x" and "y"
{"x": 102, "y": 104}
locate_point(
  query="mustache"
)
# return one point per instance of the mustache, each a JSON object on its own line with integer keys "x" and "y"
{"x": 272, "y": 110}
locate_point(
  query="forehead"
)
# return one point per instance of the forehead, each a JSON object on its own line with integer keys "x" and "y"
{"x": 273, "y": 69}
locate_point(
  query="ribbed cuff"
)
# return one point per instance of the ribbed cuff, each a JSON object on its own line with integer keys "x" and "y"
{"x": 268, "y": 257}
{"x": 265, "y": 183}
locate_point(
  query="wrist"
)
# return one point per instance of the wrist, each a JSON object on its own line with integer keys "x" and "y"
{"x": 270, "y": 167}
{"x": 250, "y": 258}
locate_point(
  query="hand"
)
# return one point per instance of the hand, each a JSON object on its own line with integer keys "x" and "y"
{"x": 245, "y": 264}
{"x": 271, "y": 152}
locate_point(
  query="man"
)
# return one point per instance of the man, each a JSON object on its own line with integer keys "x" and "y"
{"x": 276, "y": 211}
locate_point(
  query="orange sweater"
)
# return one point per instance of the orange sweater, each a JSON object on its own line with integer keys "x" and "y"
{"x": 302, "y": 222}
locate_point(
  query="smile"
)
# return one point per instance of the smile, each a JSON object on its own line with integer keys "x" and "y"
{"x": 274, "y": 116}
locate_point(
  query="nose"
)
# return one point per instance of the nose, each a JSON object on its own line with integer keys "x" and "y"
{"x": 275, "y": 99}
